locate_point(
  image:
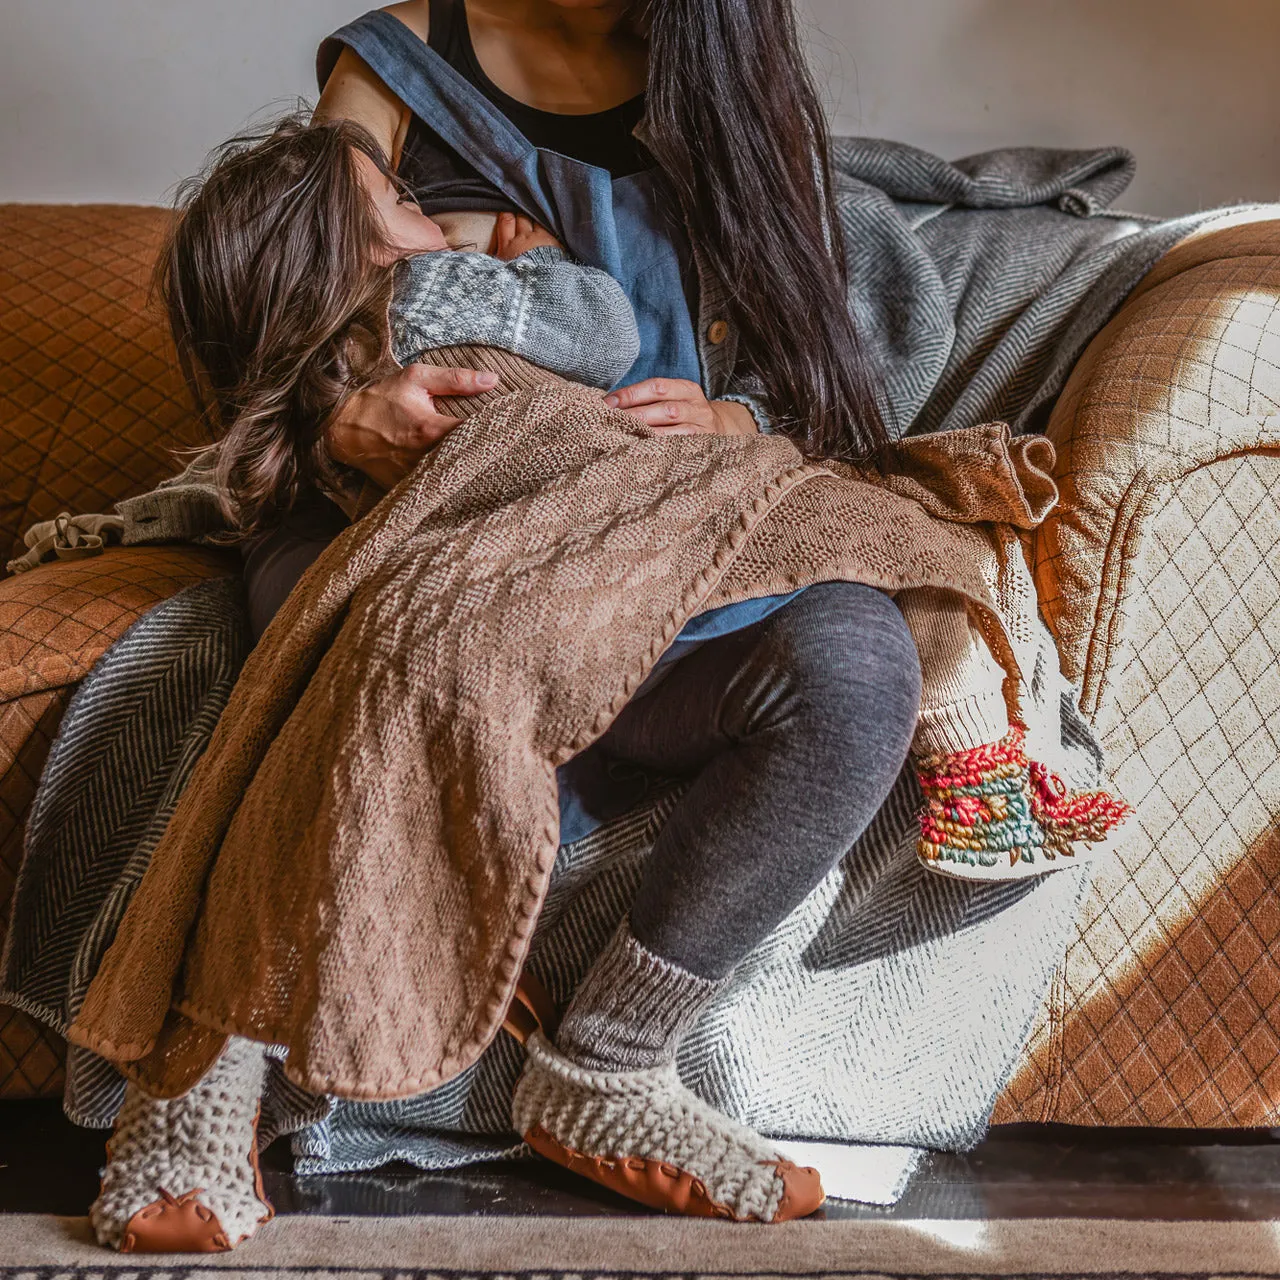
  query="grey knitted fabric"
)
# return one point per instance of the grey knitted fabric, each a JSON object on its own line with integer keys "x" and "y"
{"x": 978, "y": 282}
{"x": 648, "y": 1115}
{"x": 563, "y": 316}
{"x": 632, "y": 1009}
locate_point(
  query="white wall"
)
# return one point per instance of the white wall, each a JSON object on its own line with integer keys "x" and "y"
{"x": 118, "y": 99}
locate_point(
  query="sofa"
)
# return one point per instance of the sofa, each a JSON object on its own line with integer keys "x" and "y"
{"x": 1158, "y": 573}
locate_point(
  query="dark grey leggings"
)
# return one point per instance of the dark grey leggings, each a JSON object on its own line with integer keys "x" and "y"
{"x": 793, "y": 731}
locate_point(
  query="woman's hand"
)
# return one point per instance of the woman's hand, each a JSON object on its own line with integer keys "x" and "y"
{"x": 386, "y": 429}
{"x": 515, "y": 234}
{"x": 679, "y": 408}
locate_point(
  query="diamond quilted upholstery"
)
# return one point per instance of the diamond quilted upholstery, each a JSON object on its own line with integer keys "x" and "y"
{"x": 90, "y": 398}
{"x": 30, "y": 1056}
{"x": 91, "y": 406}
{"x": 1161, "y": 578}
{"x": 58, "y": 620}
{"x": 55, "y": 622}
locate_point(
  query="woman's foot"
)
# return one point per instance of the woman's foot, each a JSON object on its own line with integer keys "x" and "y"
{"x": 990, "y": 814}
{"x": 644, "y": 1135}
{"x": 182, "y": 1174}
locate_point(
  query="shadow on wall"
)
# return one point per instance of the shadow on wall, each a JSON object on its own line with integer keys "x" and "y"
{"x": 1190, "y": 85}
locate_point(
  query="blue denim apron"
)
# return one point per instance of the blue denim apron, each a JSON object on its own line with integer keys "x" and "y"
{"x": 620, "y": 225}
{"x": 615, "y": 224}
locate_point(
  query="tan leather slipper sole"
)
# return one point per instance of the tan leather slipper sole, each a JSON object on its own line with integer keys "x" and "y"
{"x": 663, "y": 1186}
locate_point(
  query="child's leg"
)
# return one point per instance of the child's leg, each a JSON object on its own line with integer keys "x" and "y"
{"x": 274, "y": 563}
{"x": 962, "y": 703}
{"x": 794, "y": 731}
{"x": 990, "y": 813}
{"x": 182, "y": 1174}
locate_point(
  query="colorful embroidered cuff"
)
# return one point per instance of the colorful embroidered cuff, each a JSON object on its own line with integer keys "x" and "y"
{"x": 990, "y": 814}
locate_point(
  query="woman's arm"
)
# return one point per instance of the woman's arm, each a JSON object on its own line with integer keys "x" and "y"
{"x": 384, "y": 430}
{"x": 354, "y": 92}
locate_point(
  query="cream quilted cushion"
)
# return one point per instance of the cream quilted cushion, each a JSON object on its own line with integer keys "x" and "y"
{"x": 1160, "y": 576}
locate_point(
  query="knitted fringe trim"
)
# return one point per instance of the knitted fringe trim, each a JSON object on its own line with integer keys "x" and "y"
{"x": 989, "y": 807}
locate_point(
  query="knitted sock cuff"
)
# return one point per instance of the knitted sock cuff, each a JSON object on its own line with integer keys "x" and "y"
{"x": 970, "y": 722}
{"x": 962, "y": 704}
{"x": 632, "y": 1009}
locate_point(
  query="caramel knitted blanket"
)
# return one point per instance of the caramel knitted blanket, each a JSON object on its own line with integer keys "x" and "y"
{"x": 357, "y": 865}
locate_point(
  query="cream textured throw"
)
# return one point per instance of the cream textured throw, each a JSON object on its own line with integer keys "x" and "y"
{"x": 358, "y": 863}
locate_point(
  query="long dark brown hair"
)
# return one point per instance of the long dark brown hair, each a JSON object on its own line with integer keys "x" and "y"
{"x": 737, "y": 125}
{"x": 277, "y": 305}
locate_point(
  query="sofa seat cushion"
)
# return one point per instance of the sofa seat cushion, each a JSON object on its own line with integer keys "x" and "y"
{"x": 58, "y": 620}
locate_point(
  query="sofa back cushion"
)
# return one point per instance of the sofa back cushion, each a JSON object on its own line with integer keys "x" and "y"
{"x": 91, "y": 400}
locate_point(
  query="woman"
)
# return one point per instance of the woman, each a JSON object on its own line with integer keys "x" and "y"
{"x": 534, "y": 106}
{"x": 791, "y": 716}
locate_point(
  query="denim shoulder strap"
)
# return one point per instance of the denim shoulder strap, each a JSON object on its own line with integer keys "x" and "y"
{"x": 452, "y": 106}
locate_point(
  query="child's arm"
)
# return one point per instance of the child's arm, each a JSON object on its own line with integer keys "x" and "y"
{"x": 574, "y": 320}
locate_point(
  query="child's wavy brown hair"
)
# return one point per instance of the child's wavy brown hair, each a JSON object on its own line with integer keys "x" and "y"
{"x": 278, "y": 305}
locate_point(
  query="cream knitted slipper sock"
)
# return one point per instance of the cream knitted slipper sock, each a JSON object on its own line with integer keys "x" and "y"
{"x": 182, "y": 1174}
{"x": 644, "y": 1135}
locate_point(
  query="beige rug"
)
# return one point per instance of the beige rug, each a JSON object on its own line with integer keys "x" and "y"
{"x": 38, "y": 1247}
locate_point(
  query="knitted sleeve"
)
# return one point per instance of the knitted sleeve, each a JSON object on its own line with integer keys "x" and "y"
{"x": 571, "y": 319}
{"x": 747, "y": 389}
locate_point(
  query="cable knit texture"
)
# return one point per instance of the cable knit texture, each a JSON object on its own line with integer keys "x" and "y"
{"x": 632, "y": 1009}
{"x": 648, "y": 1115}
{"x": 203, "y": 1141}
{"x": 483, "y": 624}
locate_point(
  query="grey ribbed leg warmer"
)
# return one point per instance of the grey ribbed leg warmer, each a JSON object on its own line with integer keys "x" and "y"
{"x": 632, "y": 1009}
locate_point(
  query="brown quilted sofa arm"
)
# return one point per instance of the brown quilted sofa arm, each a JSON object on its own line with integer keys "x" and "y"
{"x": 1186, "y": 374}
{"x": 91, "y": 411}
{"x": 1160, "y": 575}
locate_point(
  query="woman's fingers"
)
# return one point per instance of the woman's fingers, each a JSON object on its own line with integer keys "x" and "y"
{"x": 676, "y": 413}
{"x": 672, "y": 405}
{"x": 653, "y": 391}
{"x": 440, "y": 380}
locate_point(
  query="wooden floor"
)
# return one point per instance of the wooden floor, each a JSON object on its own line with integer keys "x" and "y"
{"x": 47, "y": 1165}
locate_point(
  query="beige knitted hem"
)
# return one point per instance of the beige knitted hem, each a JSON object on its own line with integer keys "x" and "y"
{"x": 649, "y": 1115}
{"x": 962, "y": 701}
{"x": 203, "y": 1141}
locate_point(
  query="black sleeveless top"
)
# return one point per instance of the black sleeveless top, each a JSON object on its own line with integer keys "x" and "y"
{"x": 444, "y": 182}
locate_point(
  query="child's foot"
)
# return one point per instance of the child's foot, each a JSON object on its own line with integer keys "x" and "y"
{"x": 990, "y": 814}
{"x": 647, "y": 1137}
{"x": 182, "y": 1174}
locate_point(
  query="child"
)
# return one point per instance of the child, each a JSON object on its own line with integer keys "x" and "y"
{"x": 298, "y": 273}
{"x": 271, "y": 344}
{"x": 276, "y": 380}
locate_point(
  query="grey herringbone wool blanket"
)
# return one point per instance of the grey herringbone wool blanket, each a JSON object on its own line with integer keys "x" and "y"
{"x": 892, "y": 1007}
